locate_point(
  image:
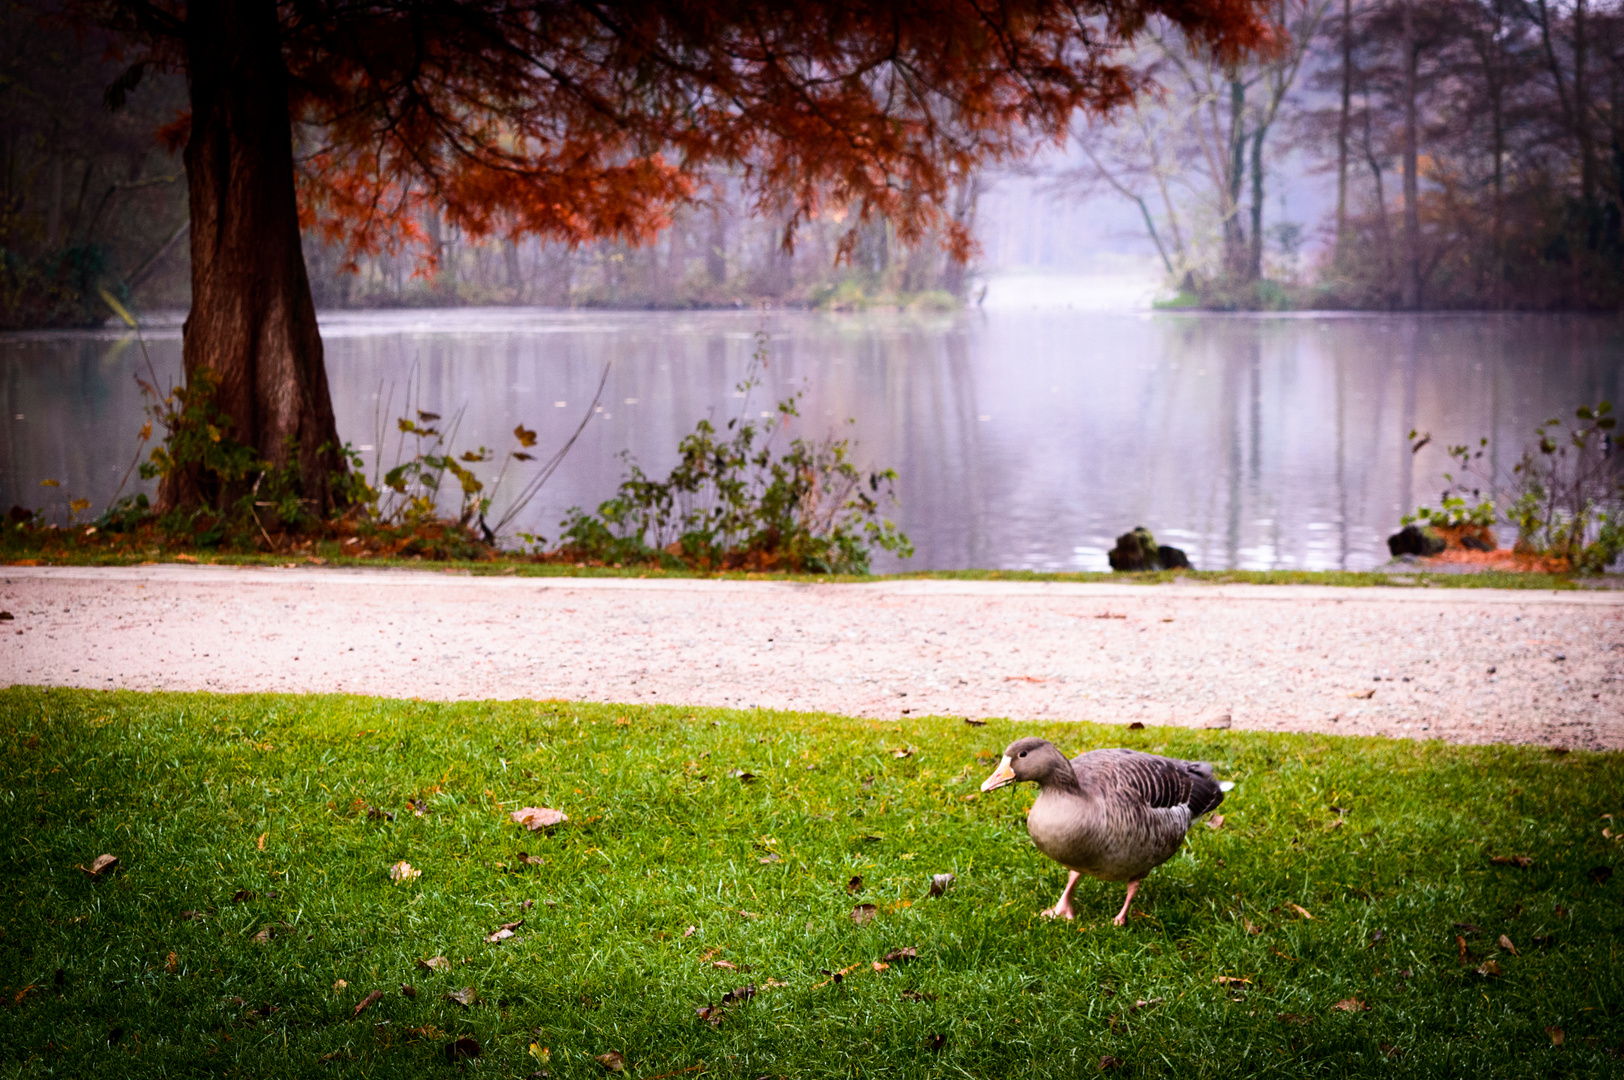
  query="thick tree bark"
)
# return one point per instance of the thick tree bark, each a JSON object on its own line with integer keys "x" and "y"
{"x": 252, "y": 326}
{"x": 1254, "y": 268}
{"x": 1343, "y": 128}
{"x": 1235, "y": 251}
{"x": 1411, "y": 285}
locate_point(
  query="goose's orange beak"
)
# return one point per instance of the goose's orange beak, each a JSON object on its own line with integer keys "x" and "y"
{"x": 1004, "y": 774}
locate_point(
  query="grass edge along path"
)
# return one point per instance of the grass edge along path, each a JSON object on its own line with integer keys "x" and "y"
{"x": 1366, "y": 906}
{"x": 1420, "y": 577}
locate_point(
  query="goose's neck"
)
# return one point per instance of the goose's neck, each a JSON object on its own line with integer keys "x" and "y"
{"x": 1059, "y": 778}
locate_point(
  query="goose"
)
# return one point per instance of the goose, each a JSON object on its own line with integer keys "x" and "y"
{"x": 1112, "y": 814}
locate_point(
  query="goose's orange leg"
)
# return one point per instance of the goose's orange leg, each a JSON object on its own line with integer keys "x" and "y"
{"x": 1122, "y": 916}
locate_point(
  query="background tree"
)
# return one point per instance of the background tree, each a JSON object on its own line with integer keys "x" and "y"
{"x": 576, "y": 121}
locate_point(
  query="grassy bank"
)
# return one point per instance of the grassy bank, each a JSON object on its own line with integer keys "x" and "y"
{"x": 252, "y": 911}
{"x": 1493, "y": 579}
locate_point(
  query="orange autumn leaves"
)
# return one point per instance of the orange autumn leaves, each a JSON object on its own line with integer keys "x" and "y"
{"x": 577, "y": 122}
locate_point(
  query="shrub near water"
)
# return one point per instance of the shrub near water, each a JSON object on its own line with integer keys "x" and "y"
{"x": 1362, "y": 911}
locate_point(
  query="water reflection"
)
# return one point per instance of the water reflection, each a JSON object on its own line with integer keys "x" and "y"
{"x": 1024, "y": 439}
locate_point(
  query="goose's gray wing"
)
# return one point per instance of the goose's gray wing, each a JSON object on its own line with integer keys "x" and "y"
{"x": 1152, "y": 781}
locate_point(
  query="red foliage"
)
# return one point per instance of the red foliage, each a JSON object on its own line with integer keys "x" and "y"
{"x": 577, "y": 121}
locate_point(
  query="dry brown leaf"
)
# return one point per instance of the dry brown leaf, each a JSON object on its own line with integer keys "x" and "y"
{"x": 975, "y": 723}
{"x": 340, "y": 985}
{"x": 1250, "y": 929}
{"x": 915, "y": 995}
{"x": 771, "y": 857}
{"x": 1232, "y": 980}
{"x": 1351, "y": 1005}
{"x": 940, "y": 883}
{"x": 614, "y": 1061}
{"x": 902, "y": 752}
{"x": 1293, "y": 1018}
{"x": 897, "y": 956}
{"x": 1505, "y": 943}
{"x": 503, "y": 932}
{"x": 726, "y": 965}
{"x": 690, "y": 932}
{"x": 1136, "y": 726}
{"x": 1144, "y": 1003}
{"x": 855, "y": 885}
{"x": 403, "y": 872}
{"x": 464, "y": 997}
{"x": 368, "y": 1000}
{"x": 464, "y": 1047}
{"x": 1489, "y": 969}
{"x": 1521, "y": 862}
{"x": 435, "y": 963}
{"x": 171, "y": 962}
{"x": 880, "y": 965}
{"x": 1300, "y": 910}
{"x": 408, "y": 990}
{"x": 863, "y": 913}
{"x": 1558, "y": 1036}
{"x": 538, "y": 817}
{"x": 1363, "y": 695}
{"x": 102, "y": 866}
{"x": 1109, "y": 1062}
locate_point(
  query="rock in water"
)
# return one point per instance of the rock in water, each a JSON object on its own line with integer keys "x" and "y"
{"x": 1135, "y": 550}
{"x": 1413, "y": 540}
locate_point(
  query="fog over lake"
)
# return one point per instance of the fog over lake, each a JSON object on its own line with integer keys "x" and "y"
{"x": 1023, "y": 438}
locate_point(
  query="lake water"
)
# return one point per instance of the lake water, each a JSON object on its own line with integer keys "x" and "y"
{"x": 1024, "y": 439}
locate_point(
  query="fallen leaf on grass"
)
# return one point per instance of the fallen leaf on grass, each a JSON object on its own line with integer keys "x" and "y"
{"x": 916, "y": 995}
{"x": 261, "y": 842}
{"x": 527, "y": 859}
{"x": 879, "y": 965}
{"x": 102, "y": 866}
{"x": 241, "y": 895}
{"x": 1299, "y": 909}
{"x": 614, "y": 1061}
{"x": 1468, "y": 928}
{"x": 855, "y": 885}
{"x": 1144, "y": 1003}
{"x": 543, "y": 1054}
{"x": 1293, "y": 1018}
{"x": 902, "y": 752}
{"x": 418, "y": 807}
{"x": 770, "y": 857}
{"x": 975, "y": 723}
{"x": 728, "y": 965}
{"x": 340, "y": 985}
{"x": 403, "y": 871}
{"x": 535, "y": 818}
{"x": 1136, "y": 726}
{"x": 463, "y": 1048}
{"x": 1216, "y": 821}
{"x": 1391, "y": 1051}
{"x": 1505, "y": 943}
{"x": 862, "y": 913}
{"x": 940, "y": 883}
{"x": 1351, "y": 1005}
{"x": 368, "y": 1000}
{"x": 194, "y": 916}
{"x": 408, "y": 990}
{"x": 897, "y": 956}
{"x": 1521, "y": 862}
{"x": 1489, "y": 969}
{"x": 435, "y": 963}
{"x": 464, "y": 997}
{"x": 690, "y": 932}
{"x": 265, "y": 934}
{"x": 1108, "y": 1062}
{"x": 1232, "y": 980}
{"x": 711, "y": 1014}
{"x": 1250, "y": 929}
{"x": 1465, "y": 957}
{"x": 1558, "y": 1036}
{"x": 503, "y": 932}
{"x": 743, "y": 776}
{"x": 936, "y": 1042}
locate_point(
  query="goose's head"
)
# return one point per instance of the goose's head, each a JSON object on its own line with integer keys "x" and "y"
{"x": 1026, "y": 759}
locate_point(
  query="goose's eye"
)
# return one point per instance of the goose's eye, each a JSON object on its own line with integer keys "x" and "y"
{"x": 1023, "y": 753}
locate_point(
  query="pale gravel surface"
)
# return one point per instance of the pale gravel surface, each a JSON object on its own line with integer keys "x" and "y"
{"x": 1276, "y": 657}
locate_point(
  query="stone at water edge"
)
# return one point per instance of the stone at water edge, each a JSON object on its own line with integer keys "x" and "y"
{"x": 1172, "y": 558}
{"x": 1414, "y": 540}
{"x": 1136, "y": 550}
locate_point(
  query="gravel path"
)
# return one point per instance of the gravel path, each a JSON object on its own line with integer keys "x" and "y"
{"x": 1467, "y": 665}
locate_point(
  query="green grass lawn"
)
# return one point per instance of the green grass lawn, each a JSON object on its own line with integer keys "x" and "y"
{"x": 252, "y": 910}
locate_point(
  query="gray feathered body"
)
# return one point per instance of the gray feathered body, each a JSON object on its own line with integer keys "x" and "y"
{"x": 1127, "y": 815}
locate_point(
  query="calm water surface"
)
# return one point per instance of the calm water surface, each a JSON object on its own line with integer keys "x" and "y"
{"x": 1023, "y": 439}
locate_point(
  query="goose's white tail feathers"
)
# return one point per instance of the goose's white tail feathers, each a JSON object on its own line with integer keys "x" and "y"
{"x": 1226, "y": 785}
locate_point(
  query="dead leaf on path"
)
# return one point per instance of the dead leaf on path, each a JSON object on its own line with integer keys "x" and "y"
{"x": 1232, "y": 980}
{"x": 435, "y": 963}
{"x": 403, "y": 871}
{"x": 1300, "y": 910}
{"x": 898, "y": 956}
{"x": 1489, "y": 969}
{"x": 855, "y": 885}
{"x": 916, "y": 995}
{"x": 368, "y": 1000}
{"x": 1351, "y": 1005}
{"x": 1505, "y": 943}
{"x": 1521, "y": 862}
{"x": 1363, "y": 695}
{"x": 464, "y": 997}
{"x": 863, "y": 913}
{"x": 1558, "y": 1036}
{"x": 408, "y": 990}
{"x": 503, "y": 932}
{"x": 102, "y": 866}
{"x": 1216, "y": 821}
{"x": 464, "y": 1047}
{"x": 975, "y": 723}
{"x": 940, "y": 883}
{"x": 535, "y": 818}
{"x": 614, "y": 1061}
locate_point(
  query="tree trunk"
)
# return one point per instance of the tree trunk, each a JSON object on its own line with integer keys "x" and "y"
{"x": 1254, "y": 270}
{"x": 1339, "y": 252}
{"x": 1234, "y": 236}
{"x": 1411, "y": 285}
{"x": 1581, "y": 106}
{"x": 252, "y": 327}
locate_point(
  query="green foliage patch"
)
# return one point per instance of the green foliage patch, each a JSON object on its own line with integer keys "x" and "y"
{"x": 252, "y": 911}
